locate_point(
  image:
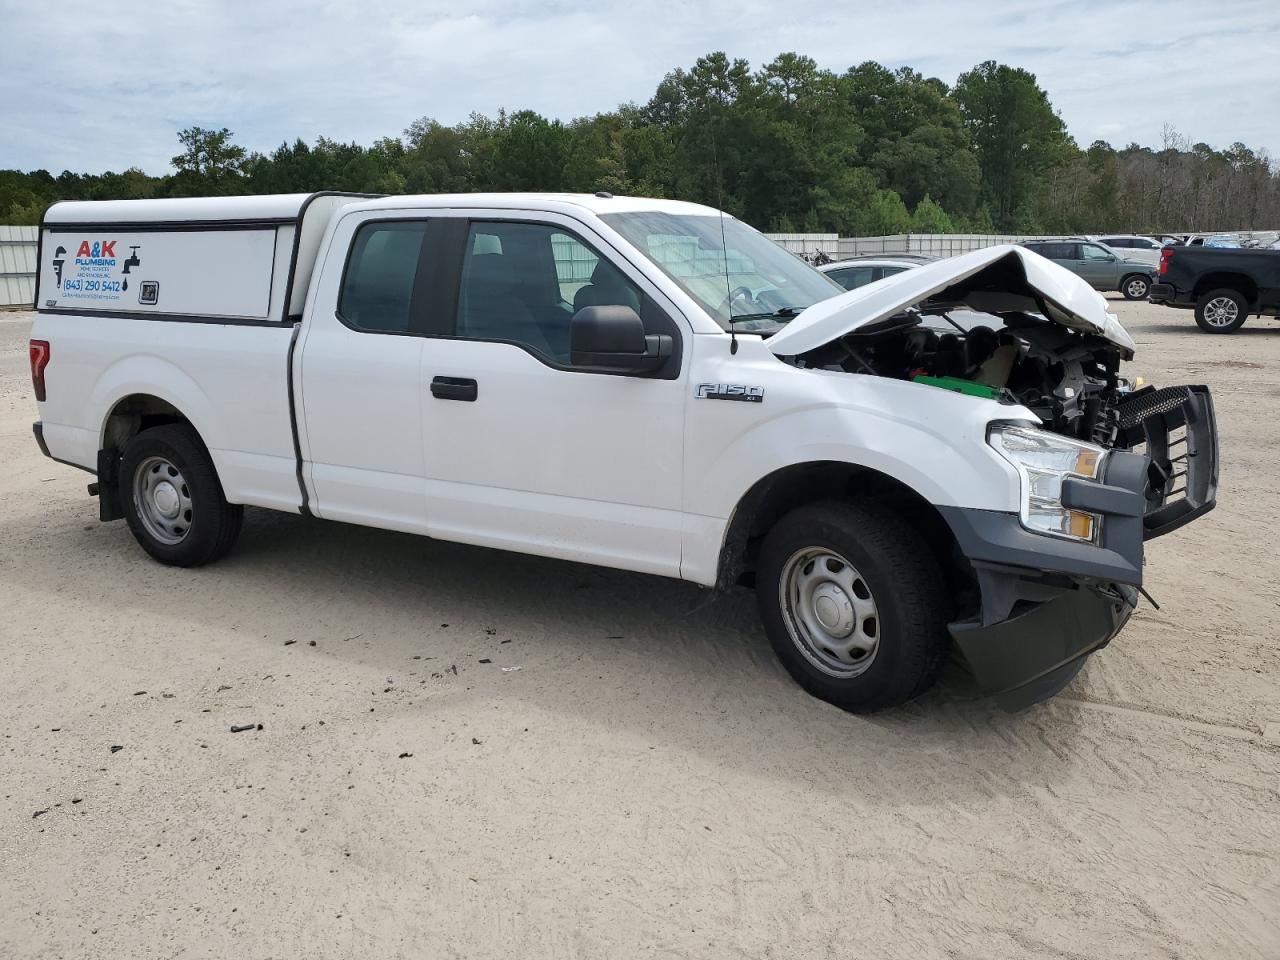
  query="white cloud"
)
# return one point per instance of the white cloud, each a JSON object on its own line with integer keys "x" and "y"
{"x": 95, "y": 91}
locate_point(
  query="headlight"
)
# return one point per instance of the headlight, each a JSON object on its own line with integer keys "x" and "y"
{"x": 1042, "y": 460}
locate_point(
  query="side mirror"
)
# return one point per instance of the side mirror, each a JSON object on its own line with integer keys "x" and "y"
{"x": 611, "y": 339}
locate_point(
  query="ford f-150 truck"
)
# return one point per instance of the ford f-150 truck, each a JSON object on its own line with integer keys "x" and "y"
{"x": 946, "y": 460}
{"x": 1223, "y": 286}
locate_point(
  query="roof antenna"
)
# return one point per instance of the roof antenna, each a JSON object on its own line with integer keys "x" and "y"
{"x": 724, "y": 245}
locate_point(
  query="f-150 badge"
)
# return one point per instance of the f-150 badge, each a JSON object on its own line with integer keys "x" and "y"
{"x": 730, "y": 391}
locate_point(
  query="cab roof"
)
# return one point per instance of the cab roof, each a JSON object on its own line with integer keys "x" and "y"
{"x": 570, "y": 203}
{"x": 287, "y": 207}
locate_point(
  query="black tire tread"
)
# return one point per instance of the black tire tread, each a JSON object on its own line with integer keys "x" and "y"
{"x": 220, "y": 522}
{"x": 918, "y": 583}
{"x": 1204, "y": 299}
{"x": 1124, "y": 284}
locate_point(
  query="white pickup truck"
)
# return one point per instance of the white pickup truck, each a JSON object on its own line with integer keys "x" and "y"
{"x": 945, "y": 460}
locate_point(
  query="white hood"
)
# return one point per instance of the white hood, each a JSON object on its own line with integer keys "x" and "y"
{"x": 992, "y": 280}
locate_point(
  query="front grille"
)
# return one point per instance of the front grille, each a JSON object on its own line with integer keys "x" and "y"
{"x": 1154, "y": 403}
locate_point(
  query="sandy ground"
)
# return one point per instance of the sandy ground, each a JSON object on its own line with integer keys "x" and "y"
{"x": 649, "y": 783}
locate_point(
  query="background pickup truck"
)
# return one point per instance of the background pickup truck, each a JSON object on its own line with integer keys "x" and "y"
{"x": 1223, "y": 286}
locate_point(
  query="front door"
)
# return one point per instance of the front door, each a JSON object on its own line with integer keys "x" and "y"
{"x": 526, "y": 453}
{"x": 1099, "y": 266}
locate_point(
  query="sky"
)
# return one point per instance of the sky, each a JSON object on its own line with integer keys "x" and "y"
{"x": 105, "y": 89}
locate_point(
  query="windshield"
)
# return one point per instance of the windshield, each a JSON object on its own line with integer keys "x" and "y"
{"x": 746, "y": 277}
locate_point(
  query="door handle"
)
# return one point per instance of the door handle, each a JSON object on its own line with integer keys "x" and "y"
{"x": 453, "y": 388}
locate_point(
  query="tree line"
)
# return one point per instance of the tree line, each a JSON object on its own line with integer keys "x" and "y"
{"x": 787, "y": 147}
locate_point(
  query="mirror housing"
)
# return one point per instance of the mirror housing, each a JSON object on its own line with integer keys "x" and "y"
{"x": 611, "y": 339}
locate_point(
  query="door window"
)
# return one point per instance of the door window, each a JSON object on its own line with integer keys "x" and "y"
{"x": 377, "y": 287}
{"x": 852, "y": 277}
{"x": 523, "y": 282}
{"x": 1091, "y": 251}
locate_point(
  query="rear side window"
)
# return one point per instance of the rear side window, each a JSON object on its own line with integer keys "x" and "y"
{"x": 377, "y": 289}
{"x": 1119, "y": 243}
{"x": 1055, "y": 251}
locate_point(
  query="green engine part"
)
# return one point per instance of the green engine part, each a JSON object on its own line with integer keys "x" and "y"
{"x": 956, "y": 385}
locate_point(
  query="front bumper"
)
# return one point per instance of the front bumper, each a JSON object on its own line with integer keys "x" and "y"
{"x": 1045, "y": 603}
{"x": 1040, "y": 647}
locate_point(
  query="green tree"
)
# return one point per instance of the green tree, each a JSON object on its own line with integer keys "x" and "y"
{"x": 1016, "y": 133}
{"x": 209, "y": 161}
{"x": 929, "y": 217}
{"x": 886, "y": 216}
{"x": 916, "y": 139}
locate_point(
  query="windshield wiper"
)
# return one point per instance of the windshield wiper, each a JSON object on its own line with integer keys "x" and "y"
{"x": 782, "y": 313}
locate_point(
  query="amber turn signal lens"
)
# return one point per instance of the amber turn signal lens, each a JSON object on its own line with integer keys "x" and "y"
{"x": 1082, "y": 525}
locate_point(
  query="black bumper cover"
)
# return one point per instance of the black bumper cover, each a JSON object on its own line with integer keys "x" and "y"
{"x": 1047, "y": 603}
{"x": 38, "y": 429}
{"x": 1040, "y": 647}
{"x": 1167, "y": 294}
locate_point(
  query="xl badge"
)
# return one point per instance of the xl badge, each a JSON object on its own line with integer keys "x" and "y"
{"x": 730, "y": 391}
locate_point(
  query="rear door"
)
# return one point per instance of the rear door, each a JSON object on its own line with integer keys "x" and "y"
{"x": 359, "y": 400}
{"x": 523, "y": 451}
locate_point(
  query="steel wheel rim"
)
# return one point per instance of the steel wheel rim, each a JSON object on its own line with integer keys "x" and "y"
{"x": 1137, "y": 289}
{"x": 830, "y": 612}
{"x": 1221, "y": 312}
{"x": 162, "y": 499}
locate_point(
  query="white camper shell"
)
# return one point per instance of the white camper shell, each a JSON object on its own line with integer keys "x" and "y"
{"x": 203, "y": 258}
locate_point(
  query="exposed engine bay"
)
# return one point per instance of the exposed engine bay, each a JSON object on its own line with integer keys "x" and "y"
{"x": 1004, "y": 324}
{"x": 1068, "y": 378}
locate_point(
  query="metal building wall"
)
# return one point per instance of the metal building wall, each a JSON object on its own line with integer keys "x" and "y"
{"x": 17, "y": 266}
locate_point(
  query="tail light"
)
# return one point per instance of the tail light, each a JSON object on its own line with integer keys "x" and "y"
{"x": 1165, "y": 254}
{"x": 39, "y": 351}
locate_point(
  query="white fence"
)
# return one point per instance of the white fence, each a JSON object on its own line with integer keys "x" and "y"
{"x": 17, "y": 266}
{"x": 808, "y": 243}
{"x": 933, "y": 244}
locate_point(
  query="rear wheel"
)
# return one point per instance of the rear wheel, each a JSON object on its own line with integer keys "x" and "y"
{"x": 1135, "y": 287}
{"x": 1221, "y": 311}
{"x": 172, "y": 499}
{"x": 854, "y": 604}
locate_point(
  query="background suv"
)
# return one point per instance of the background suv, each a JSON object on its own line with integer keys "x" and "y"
{"x": 1099, "y": 265}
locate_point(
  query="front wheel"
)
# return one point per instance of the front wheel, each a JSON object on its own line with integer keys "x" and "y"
{"x": 1135, "y": 287}
{"x": 1221, "y": 311}
{"x": 854, "y": 604}
{"x": 172, "y": 498}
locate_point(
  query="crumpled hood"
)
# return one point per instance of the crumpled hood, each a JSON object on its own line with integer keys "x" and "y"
{"x": 992, "y": 280}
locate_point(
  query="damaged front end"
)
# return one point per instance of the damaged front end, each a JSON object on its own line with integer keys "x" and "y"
{"x": 1109, "y": 464}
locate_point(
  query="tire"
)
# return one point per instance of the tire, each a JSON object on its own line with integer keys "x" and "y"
{"x": 1135, "y": 286}
{"x": 803, "y": 557}
{"x": 1221, "y": 311}
{"x": 172, "y": 499}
